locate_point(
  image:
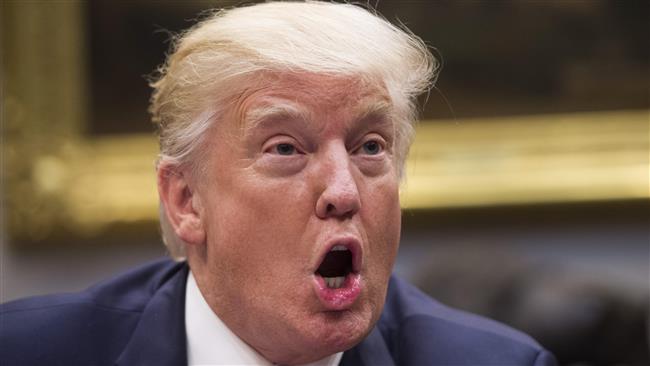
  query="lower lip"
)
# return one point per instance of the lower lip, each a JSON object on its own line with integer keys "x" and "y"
{"x": 342, "y": 298}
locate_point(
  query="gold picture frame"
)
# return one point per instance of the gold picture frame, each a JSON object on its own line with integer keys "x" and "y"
{"x": 60, "y": 182}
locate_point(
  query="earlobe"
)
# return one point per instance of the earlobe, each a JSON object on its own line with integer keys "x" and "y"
{"x": 181, "y": 204}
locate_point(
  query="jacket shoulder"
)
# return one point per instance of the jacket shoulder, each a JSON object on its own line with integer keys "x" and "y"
{"x": 88, "y": 327}
{"x": 420, "y": 330}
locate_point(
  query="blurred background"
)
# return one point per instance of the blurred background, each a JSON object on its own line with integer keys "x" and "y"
{"x": 527, "y": 193}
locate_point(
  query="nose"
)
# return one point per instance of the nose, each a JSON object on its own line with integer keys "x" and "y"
{"x": 340, "y": 194}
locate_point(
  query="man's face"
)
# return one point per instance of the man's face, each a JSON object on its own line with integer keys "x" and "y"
{"x": 300, "y": 206}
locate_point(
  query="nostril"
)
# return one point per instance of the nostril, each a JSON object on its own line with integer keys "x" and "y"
{"x": 330, "y": 207}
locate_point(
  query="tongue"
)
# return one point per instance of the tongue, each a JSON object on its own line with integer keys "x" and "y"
{"x": 336, "y": 264}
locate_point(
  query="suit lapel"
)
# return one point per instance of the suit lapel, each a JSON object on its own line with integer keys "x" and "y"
{"x": 372, "y": 351}
{"x": 159, "y": 338}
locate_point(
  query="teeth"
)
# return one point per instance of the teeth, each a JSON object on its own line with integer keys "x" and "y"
{"x": 338, "y": 248}
{"x": 334, "y": 282}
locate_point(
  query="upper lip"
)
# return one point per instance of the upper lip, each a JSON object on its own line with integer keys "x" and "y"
{"x": 351, "y": 243}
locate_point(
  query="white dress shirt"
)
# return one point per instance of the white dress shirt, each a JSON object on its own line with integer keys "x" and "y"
{"x": 211, "y": 342}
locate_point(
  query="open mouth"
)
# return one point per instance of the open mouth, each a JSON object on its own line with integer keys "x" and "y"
{"x": 338, "y": 283}
{"x": 336, "y": 266}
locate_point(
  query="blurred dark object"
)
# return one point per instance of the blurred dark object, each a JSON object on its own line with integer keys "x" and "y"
{"x": 579, "y": 319}
{"x": 573, "y": 277}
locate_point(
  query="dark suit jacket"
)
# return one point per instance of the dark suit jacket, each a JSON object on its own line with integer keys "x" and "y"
{"x": 138, "y": 319}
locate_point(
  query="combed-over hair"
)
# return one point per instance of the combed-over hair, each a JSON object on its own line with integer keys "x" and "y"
{"x": 212, "y": 61}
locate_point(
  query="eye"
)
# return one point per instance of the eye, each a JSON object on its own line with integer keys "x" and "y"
{"x": 371, "y": 147}
{"x": 285, "y": 149}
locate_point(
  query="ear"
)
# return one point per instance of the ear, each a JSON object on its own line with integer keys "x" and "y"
{"x": 181, "y": 204}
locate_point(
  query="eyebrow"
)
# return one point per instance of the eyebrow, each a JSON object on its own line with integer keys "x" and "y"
{"x": 375, "y": 110}
{"x": 374, "y": 114}
{"x": 260, "y": 115}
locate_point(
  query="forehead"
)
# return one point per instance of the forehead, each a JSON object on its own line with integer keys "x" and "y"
{"x": 302, "y": 95}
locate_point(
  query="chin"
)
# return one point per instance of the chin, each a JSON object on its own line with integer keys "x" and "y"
{"x": 315, "y": 334}
{"x": 338, "y": 331}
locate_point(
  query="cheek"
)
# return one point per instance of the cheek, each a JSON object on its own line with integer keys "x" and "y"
{"x": 382, "y": 220}
{"x": 382, "y": 213}
{"x": 256, "y": 221}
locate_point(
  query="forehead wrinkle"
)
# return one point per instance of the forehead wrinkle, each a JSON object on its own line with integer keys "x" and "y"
{"x": 359, "y": 100}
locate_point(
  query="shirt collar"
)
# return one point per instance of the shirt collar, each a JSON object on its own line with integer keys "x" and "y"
{"x": 211, "y": 342}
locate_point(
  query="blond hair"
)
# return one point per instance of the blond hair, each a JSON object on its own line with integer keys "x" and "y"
{"x": 211, "y": 60}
